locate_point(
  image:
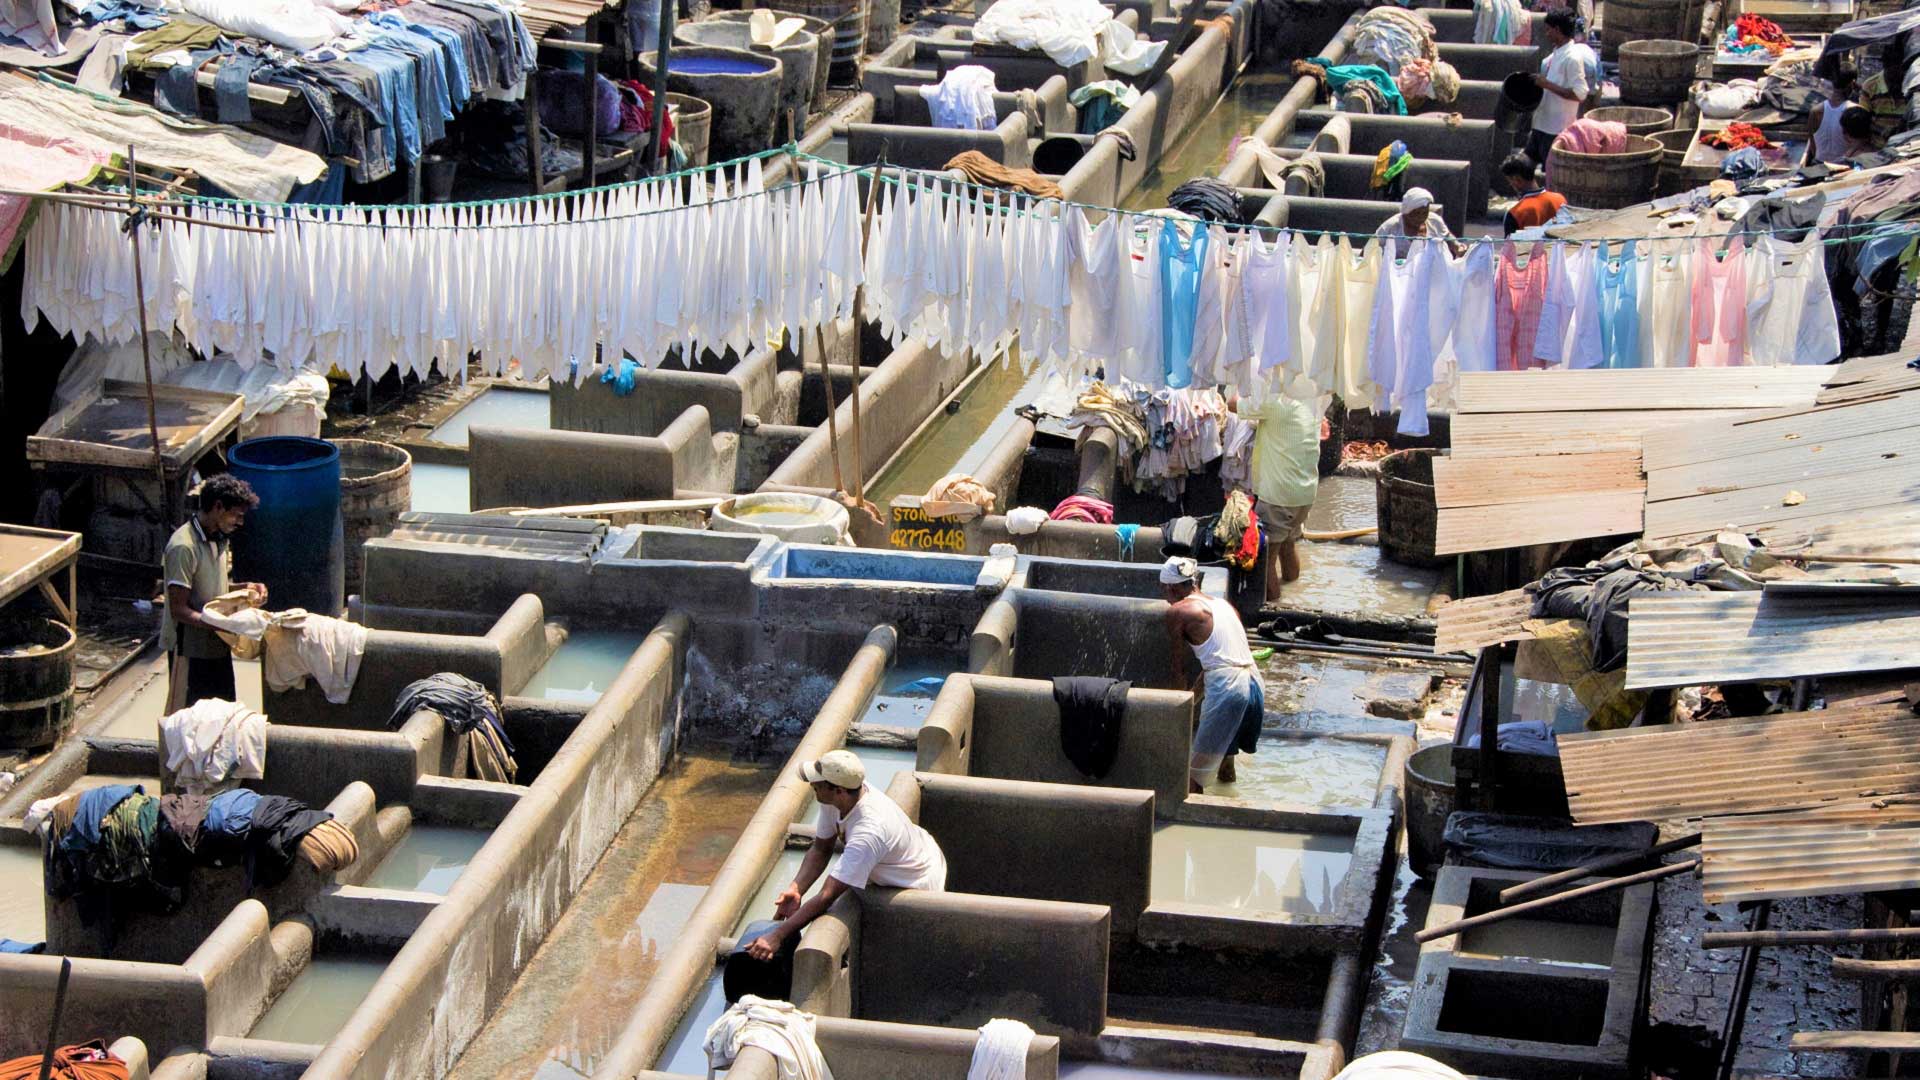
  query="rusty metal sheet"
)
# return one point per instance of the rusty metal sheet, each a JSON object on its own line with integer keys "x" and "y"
{"x": 1864, "y": 846}
{"x": 1480, "y": 621}
{"x": 1784, "y": 762}
{"x": 1692, "y": 639}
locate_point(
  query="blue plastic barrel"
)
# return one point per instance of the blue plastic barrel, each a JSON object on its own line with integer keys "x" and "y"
{"x": 292, "y": 542}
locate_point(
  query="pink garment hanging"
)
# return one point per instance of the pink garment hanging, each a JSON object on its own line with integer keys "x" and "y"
{"x": 1719, "y": 306}
{"x": 1518, "y": 293}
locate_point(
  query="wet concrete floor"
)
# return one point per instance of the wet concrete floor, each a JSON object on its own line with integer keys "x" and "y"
{"x": 576, "y": 994}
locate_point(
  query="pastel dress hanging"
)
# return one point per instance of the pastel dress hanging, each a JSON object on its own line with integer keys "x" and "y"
{"x": 1667, "y": 317}
{"x": 1519, "y": 292}
{"x": 1619, "y": 281}
{"x": 1719, "y": 305}
{"x": 1790, "y": 312}
{"x": 1181, "y": 261}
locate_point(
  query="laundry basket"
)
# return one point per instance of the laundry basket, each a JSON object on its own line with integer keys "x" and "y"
{"x": 1608, "y": 181}
{"x": 1639, "y": 119}
{"x": 1656, "y": 72}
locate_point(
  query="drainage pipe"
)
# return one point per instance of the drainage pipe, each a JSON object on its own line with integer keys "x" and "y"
{"x": 1340, "y": 1008}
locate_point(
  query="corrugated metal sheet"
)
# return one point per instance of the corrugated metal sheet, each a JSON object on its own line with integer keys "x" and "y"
{"x": 1690, "y": 639}
{"x": 1786, "y": 762}
{"x": 1853, "y": 848}
{"x": 1480, "y": 621}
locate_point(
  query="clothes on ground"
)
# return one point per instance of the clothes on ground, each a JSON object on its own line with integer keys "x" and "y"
{"x": 1070, "y": 32}
{"x": 952, "y": 493}
{"x": 329, "y": 847}
{"x": 773, "y": 1026}
{"x": 1566, "y": 67}
{"x": 963, "y": 100}
{"x": 1338, "y": 77}
{"x": 211, "y": 741}
{"x": 1738, "y": 136}
{"x": 300, "y": 644}
{"x": 1599, "y": 595}
{"x": 469, "y": 710}
{"x": 1093, "y": 711}
{"x": 278, "y": 824}
{"x": 1102, "y": 103}
{"x": 882, "y": 846}
{"x": 1001, "y": 1051}
{"x": 1522, "y": 737}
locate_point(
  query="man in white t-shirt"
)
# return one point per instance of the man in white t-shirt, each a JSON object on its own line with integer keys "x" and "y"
{"x": 1563, "y": 82}
{"x": 882, "y": 847}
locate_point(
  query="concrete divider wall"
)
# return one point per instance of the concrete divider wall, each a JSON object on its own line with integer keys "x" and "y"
{"x": 442, "y": 986}
{"x": 1043, "y": 841}
{"x": 864, "y": 1050}
{"x": 727, "y": 390}
{"x": 685, "y": 970}
{"x": 520, "y": 633}
{"x": 932, "y": 148}
{"x": 162, "y": 1005}
{"x": 1477, "y": 142}
{"x": 1072, "y": 634}
{"x": 893, "y": 400}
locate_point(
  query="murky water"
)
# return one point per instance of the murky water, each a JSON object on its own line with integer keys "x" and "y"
{"x": 1582, "y": 944}
{"x": 1357, "y": 580}
{"x": 496, "y": 407}
{"x": 1248, "y": 869}
{"x": 137, "y": 716}
{"x": 1316, "y": 772}
{"x": 883, "y": 765}
{"x": 430, "y": 858}
{"x": 1202, "y": 150}
{"x": 23, "y": 910}
{"x": 581, "y": 669}
{"x": 905, "y": 697}
{"x": 959, "y": 441}
{"x": 1343, "y": 502}
{"x": 440, "y": 489}
{"x": 1390, "y": 990}
{"x": 317, "y": 1003}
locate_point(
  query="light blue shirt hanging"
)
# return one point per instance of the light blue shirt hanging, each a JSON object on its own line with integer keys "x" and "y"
{"x": 1619, "y": 278}
{"x": 1180, "y": 263}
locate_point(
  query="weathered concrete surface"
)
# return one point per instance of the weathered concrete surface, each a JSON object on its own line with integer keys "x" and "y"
{"x": 1359, "y": 591}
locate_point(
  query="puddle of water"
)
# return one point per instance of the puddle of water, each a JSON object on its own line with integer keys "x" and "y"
{"x": 584, "y": 665}
{"x": 440, "y": 489}
{"x": 1317, "y": 772}
{"x": 23, "y": 905}
{"x": 1579, "y": 944}
{"x": 1202, "y": 151}
{"x": 496, "y": 407}
{"x": 1390, "y": 990}
{"x": 1248, "y": 869}
{"x": 898, "y": 701}
{"x": 317, "y": 1003}
{"x": 430, "y": 858}
{"x": 1343, "y": 502}
{"x": 960, "y": 441}
{"x": 138, "y": 715}
{"x": 1355, "y": 579}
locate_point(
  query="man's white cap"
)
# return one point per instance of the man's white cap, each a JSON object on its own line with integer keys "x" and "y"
{"x": 1178, "y": 570}
{"x": 1415, "y": 198}
{"x": 837, "y": 767}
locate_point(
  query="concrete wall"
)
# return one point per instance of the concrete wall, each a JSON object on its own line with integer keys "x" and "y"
{"x": 931, "y": 147}
{"x": 1477, "y": 142}
{"x": 726, "y": 386}
{"x": 162, "y": 1005}
{"x": 1043, "y": 841}
{"x": 1116, "y": 637}
{"x": 893, "y": 401}
{"x": 454, "y": 971}
{"x": 512, "y": 467}
{"x": 1009, "y": 729}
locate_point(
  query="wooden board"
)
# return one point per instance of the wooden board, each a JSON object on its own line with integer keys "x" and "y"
{"x": 1893, "y": 485}
{"x": 1511, "y": 434}
{"x": 28, "y": 555}
{"x": 1684, "y": 389}
{"x": 1799, "y": 463}
{"x": 1545, "y": 520}
{"x": 1487, "y": 481}
{"x": 1757, "y": 433}
{"x": 1857, "y": 1040}
{"x": 108, "y": 427}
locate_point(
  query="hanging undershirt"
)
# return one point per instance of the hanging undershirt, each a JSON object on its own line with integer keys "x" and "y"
{"x": 1556, "y": 309}
{"x": 1618, "y": 276}
{"x": 1409, "y": 322}
{"x": 1790, "y": 316}
{"x": 1139, "y": 346}
{"x": 1359, "y": 281}
{"x": 1666, "y": 316}
{"x": 1094, "y": 282}
{"x": 1719, "y": 305}
{"x": 1473, "y": 334}
{"x": 1519, "y": 291}
{"x": 1218, "y": 278}
{"x": 1314, "y": 269}
{"x": 1581, "y": 345}
{"x": 1265, "y": 310}
{"x": 1181, "y": 260}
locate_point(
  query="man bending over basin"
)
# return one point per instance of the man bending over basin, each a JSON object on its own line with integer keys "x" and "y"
{"x": 882, "y": 848}
{"x": 1234, "y": 703}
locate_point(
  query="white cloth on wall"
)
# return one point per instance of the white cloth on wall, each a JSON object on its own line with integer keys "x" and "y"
{"x": 963, "y": 100}
{"x": 1069, "y": 31}
{"x": 773, "y": 1026}
{"x": 1025, "y": 520}
{"x": 211, "y": 740}
{"x": 301, "y": 644}
{"x": 1396, "y": 1065}
{"x": 1001, "y": 1051}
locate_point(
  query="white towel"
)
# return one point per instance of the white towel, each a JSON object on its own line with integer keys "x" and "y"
{"x": 211, "y": 740}
{"x": 1001, "y": 1053}
{"x": 773, "y": 1026}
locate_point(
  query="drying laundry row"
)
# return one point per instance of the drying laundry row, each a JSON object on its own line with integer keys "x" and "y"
{"x": 715, "y": 262}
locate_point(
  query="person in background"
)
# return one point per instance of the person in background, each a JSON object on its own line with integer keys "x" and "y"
{"x": 1826, "y": 143}
{"x": 194, "y": 570}
{"x": 1286, "y": 477}
{"x": 1416, "y": 218}
{"x": 1234, "y": 700}
{"x": 1856, "y": 126}
{"x": 1563, "y": 78}
{"x": 1534, "y": 205}
{"x": 883, "y": 847}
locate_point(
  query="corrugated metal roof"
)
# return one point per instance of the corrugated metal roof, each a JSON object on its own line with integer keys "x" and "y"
{"x": 1690, "y": 639}
{"x": 1479, "y": 621}
{"x": 1785, "y": 762}
{"x": 1864, "y": 846}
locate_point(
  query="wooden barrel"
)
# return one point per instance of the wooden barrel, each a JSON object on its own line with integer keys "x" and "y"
{"x": 883, "y": 23}
{"x": 1405, "y": 509}
{"x": 1640, "y": 120}
{"x": 692, "y": 126}
{"x": 1656, "y": 72}
{"x": 849, "y": 19}
{"x": 1622, "y": 21}
{"x": 1608, "y": 181}
{"x": 1675, "y": 176}
{"x": 376, "y": 487}
{"x": 36, "y": 681}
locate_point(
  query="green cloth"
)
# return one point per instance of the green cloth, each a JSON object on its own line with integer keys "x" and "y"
{"x": 1342, "y": 74}
{"x": 191, "y": 559}
{"x": 181, "y": 32}
{"x": 1286, "y": 451}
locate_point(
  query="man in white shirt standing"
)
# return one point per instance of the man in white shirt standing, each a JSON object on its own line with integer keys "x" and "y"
{"x": 1563, "y": 82}
{"x": 882, "y": 847}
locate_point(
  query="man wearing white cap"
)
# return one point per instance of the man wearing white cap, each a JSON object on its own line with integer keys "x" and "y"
{"x": 882, "y": 847}
{"x": 1415, "y": 219}
{"x": 1235, "y": 702}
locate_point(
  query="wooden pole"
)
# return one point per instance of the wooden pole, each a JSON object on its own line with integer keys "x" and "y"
{"x": 1598, "y": 887}
{"x": 833, "y": 425}
{"x": 53, "y": 1027}
{"x": 146, "y": 349}
{"x": 1598, "y": 866}
{"x": 1740, "y": 939}
{"x": 663, "y": 50}
{"x": 1847, "y": 967}
{"x": 859, "y": 324}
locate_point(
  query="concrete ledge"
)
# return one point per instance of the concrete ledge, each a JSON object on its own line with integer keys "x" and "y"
{"x": 475, "y": 804}
{"x": 257, "y": 1059}
{"x": 363, "y": 919}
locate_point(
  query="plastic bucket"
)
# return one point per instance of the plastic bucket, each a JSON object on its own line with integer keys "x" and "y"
{"x": 1518, "y": 98}
{"x": 791, "y": 516}
{"x": 1430, "y": 800}
{"x": 293, "y": 542}
{"x": 692, "y": 126}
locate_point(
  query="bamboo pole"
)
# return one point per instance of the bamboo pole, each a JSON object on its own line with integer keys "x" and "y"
{"x": 146, "y": 348}
{"x": 859, "y": 323}
{"x": 1598, "y": 866}
{"x": 1740, "y": 939}
{"x": 1597, "y": 888}
{"x": 833, "y": 424}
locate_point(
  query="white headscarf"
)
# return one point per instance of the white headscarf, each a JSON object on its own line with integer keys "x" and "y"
{"x": 1178, "y": 570}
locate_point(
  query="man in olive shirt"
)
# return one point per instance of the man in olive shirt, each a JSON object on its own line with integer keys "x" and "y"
{"x": 194, "y": 571}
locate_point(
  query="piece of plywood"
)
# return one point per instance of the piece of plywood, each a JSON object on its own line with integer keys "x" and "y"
{"x": 1895, "y": 484}
{"x": 1695, "y": 639}
{"x": 1514, "y": 434}
{"x": 1548, "y": 519}
{"x": 1683, "y": 389}
{"x": 1486, "y": 481}
{"x": 1797, "y": 461}
{"x": 1694, "y": 443}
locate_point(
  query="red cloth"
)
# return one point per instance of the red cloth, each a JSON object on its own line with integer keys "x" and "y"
{"x": 1585, "y": 136}
{"x": 1737, "y": 136}
{"x": 636, "y": 110}
{"x": 1082, "y": 508}
{"x": 1754, "y": 30}
{"x": 1248, "y": 552}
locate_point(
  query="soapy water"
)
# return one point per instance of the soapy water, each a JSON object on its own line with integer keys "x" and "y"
{"x": 762, "y": 702}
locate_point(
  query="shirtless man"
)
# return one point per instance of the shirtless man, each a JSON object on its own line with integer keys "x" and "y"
{"x": 1235, "y": 701}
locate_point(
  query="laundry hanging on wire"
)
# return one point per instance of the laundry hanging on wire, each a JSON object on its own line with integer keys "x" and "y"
{"x": 707, "y": 260}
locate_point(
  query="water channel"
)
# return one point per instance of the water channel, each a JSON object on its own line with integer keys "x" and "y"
{"x": 314, "y": 1007}
{"x": 959, "y": 441}
{"x": 430, "y": 858}
{"x": 584, "y": 665}
{"x": 1248, "y": 869}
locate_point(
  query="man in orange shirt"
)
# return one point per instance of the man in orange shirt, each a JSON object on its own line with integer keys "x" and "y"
{"x": 1536, "y": 205}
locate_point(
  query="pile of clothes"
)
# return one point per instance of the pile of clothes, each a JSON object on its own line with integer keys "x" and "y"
{"x": 1587, "y": 136}
{"x": 118, "y": 845}
{"x": 1738, "y": 136}
{"x": 212, "y": 740}
{"x": 1389, "y": 37}
{"x": 952, "y": 493}
{"x": 82, "y": 1061}
{"x": 471, "y": 712}
{"x": 1164, "y": 435}
{"x": 1208, "y": 199}
{"x": 1422, "y": 81}
{"x": 1752, "y": 34}
{"x": 1372, "y": 80}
